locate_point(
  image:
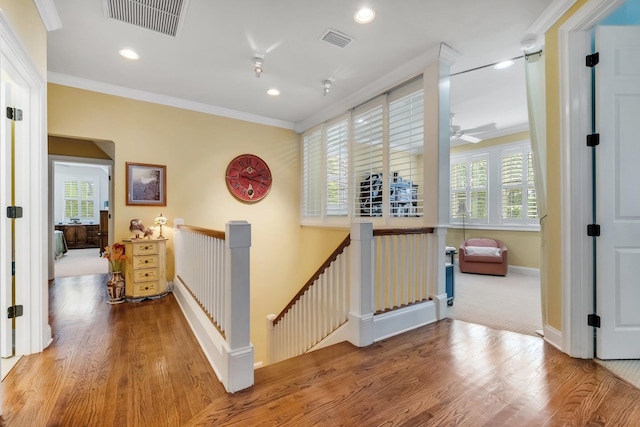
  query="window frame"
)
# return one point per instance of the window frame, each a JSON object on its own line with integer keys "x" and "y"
{"x": 494, "y": 220}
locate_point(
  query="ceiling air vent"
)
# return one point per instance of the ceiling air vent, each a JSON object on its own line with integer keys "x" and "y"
{"x": 160, "y": 16}
{"x": 337, "y": 38}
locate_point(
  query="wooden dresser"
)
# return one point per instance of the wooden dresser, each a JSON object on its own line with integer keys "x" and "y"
{"x": 146, "y": 271}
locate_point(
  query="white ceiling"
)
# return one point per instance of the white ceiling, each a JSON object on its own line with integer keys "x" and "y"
{"x": 208, "y": 66}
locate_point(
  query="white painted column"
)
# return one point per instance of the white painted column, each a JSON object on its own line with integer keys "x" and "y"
{"x": 436, "y": 81}
{"x": 238, "y": 304}
{"x": 361, "y": 285}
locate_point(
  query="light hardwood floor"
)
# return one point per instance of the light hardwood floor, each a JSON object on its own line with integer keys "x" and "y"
{"x": 139, "y": 365}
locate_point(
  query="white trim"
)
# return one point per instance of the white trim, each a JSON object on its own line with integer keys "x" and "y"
{"x": 32, "y": 289}
{"x": 385, "y": 83}
{"x": 553, "y": 337}
{"x": 48, "y": 14}
{"x": 140, "y": 95}
{"x": 396, "y": 322}
{"x": 550, "y": 16}
{"x": 575, "y": 122}
{"x": 525, "y": 271}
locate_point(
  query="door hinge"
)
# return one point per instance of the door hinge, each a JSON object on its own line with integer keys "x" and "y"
{"x": 14, "y": 311}
{"x": 593, "y": 320}
{"x": 14, "y": 114}
{"x": 14, "y": 211}
{"x": 593, "y": 59}
{"x": 593, "y": 230}
{"x": 13, "y": 268}
{"x": 593, "y": 140}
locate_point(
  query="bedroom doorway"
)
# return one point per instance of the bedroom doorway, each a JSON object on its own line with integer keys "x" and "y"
{"x": 80, "y": 210}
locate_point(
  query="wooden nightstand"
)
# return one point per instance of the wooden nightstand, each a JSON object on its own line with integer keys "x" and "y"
{"x": 146, "y": 272}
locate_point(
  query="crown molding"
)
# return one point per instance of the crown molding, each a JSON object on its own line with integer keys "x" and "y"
{"x": 384, "y": 84}
{"x": 48, "y": 14}
{"x": 549, "y": 16}
{"x": 94, "y": 86}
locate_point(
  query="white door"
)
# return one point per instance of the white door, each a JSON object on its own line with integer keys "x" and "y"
{"x": 618, "y": 192}
{"x": 6, "y": 234}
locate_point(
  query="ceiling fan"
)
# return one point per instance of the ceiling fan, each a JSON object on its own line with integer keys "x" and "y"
{"x": 465, "y": 134}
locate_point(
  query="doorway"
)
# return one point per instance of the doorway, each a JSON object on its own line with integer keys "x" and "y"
{"x": 80, "y": 213}
{"x": 491, "y": 173}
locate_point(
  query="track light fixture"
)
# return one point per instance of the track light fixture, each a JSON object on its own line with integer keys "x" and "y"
{"x": 326, "y": 85}
{"x": 257, "y": 66}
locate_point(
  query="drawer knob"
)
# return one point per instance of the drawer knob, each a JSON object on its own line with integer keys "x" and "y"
{"x": 146, "y": 275}
{"x": 146, "y": 261}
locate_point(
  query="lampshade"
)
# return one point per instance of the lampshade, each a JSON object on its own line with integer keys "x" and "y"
{"x": 161, "y": 220}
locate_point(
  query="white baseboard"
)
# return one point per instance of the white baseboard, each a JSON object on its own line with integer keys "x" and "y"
{"x": 553, "y": 337}
{"x": 213, "y": 344}
{"x": 527, "y": 271}
{"x": 395, "y": 322}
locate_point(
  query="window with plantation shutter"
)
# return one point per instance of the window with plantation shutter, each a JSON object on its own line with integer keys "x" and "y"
{"x": 496, "y": 185}
{"x": 337, "y": 163}
{"x": 458, "y": 189}
{"x": 312, "y": 174}
{"x": 406, "y": 140}
{"x": 518, "y": 191}
{"x": 367, "y": 165}
{"x": 478, "y": 191}
{"x": 79, "y": 199}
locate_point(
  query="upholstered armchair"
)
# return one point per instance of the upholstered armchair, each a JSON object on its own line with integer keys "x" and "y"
{"x": 483, "y": 256}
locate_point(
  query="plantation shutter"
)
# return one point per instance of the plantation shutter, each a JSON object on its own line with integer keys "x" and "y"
{"x": 312, "y": 174}
{"x": 71, "y": 193}
{"x": 87, "y": 199}
{"x": 512, "y": 168}
{"x": 337, "y": 168}
{"x": 478, "y": 178}
{"x": 532, "y": 205}
{"x": 406, "y": 137}
{"x": 367, "y": 161}
{"x": 458, "y": 190}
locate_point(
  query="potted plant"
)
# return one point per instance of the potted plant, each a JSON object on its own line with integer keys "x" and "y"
{"x": 115, "y": 285}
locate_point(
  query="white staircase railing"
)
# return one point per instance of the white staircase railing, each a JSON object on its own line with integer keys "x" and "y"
{"x": 212, "y": 288}
{"x": 376, "y": 284}
{"x": 319, "y": 308}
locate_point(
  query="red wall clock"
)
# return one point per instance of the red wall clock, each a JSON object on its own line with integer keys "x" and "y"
{"x": 248, "y": 178}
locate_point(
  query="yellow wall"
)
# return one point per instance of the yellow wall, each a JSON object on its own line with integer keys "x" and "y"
{"x": 75, "y": 147}
{"x": 25, "y": 21}
{"x": 196, "y": 148}
{"x": 553, "y": 228}
{"x": 524, "y": 246}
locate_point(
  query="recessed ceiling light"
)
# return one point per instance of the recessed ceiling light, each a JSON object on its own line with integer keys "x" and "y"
{"x": 364, "y": 15}
{"x": 129, "y": 54}
{"x": 502, "y": 65}
{"x": 273, "y": 92}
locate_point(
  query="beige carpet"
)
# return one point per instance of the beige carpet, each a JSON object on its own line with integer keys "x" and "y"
{"x": 510, "y": 303}
{"x": 81, "y": 262}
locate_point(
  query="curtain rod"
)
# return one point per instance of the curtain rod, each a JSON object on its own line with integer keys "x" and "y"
{"x": 488, "y": 65}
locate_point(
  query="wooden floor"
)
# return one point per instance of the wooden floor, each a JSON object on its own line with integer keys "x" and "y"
{"x": 137, "y": 364}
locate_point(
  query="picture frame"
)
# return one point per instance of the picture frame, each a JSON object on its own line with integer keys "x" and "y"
{"x": 146, "y": 184}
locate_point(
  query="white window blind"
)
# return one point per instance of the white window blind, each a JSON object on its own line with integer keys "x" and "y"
{"x": 478, "y": 192}
{"x": 406, "y": 138}
{"x": 337, "y": 164}
{"x": 458, "y": 189}
{"x": 79, "y": 199}
{"x": 518, "y": 192}
{"x": 313, "y": 176}
{"x": 496, "y": 185}
{"x": 367, "y": 162}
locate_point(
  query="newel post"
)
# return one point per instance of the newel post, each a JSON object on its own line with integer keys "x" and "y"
{"x": 361, "y": 285}
{"x": 177, "y": 246}
{"x": 237, "y": 303}
{"x": 436, "y": 268}
{"x": 271, "y": 345}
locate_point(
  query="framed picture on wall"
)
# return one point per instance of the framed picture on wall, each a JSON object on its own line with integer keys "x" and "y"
{"x": 146, "y": 184}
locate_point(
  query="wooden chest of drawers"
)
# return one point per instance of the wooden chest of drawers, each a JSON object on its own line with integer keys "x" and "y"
{"x": 145, "y": 273}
